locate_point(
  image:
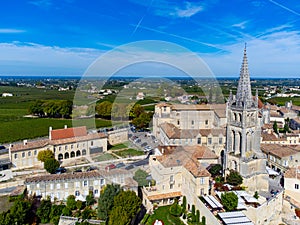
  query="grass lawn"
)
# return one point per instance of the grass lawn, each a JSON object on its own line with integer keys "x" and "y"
{"x": 162, "y": 213}
{"x": 129, "y": 152}
{"x": 104, "y": 157}
{"x": 119, "y": 146}
{"x": 4, "y": 203}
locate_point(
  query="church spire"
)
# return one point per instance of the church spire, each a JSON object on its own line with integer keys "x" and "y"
{"x": 243, "y": 96}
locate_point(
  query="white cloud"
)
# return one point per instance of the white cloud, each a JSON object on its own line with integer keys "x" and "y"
{"x": 274, "y": 54}
{"x": 188, "y": 10}
{"x": 10, "y": 31}
{"x": 241, "y": 25}
{"x": 41, "y": 3}
{"x": 167, "y": 8}
{"x": 36, "y": 59}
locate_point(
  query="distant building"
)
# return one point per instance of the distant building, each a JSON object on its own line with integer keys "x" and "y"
{"x": 140, "y": 96}
{"x": 7, "y": 94}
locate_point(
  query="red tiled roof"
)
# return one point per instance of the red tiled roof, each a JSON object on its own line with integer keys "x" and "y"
{"x": 68, "y": 133}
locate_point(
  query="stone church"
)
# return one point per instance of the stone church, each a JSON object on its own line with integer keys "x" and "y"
{"x": 243, "y": 152}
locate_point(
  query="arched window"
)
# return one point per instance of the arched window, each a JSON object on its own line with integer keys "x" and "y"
{"x": 83, "y": 152}
{"x": 72, "y": 154}
{"x": 78, "y": 153}
{"x": 60, "y": 156}
{"x": 67, "y": 155}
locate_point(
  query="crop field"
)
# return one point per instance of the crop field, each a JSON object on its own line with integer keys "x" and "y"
{"x": 15, "y": 127}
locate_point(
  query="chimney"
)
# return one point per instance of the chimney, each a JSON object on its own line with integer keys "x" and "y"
{"x": 25, "y": 142}
{"x": 50, "y": 130}
{"x": 66, "y": 126}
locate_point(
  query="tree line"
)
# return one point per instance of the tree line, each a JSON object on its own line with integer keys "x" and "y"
{"x": 140, "y": 118}
{"x": 51, "y": 108}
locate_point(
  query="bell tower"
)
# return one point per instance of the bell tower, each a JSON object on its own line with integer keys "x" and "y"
{"x": 243, "y": 152}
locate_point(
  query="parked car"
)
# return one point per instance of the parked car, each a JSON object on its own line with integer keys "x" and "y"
{"x": 78, "y": 170}
{"x": 60, "y": 170}
{"x": 144, "y": 144}
{"x": 129, "y": 167}
{"x": 110, "y": 166}
{"x": 90, "y": 168}
{"x": 119, "y": 165}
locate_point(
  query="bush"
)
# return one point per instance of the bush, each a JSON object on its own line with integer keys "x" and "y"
{"x": 229, "y": 201}
{"x": 216, "y": 170}
{"x": 234, "y": 178}
{"x": 175, "y": 209}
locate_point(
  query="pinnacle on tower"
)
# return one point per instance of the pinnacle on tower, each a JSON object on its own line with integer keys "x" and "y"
{"x": 243, "y": 95}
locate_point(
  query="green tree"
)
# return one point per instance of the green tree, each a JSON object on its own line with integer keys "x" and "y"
{"x": 44, "y": 210}
{"x": 140, "y": 177}
{"x": 175, "y": 209}
{"x": 79, "y": 204}
{"x": 203, "y": 220}
{"x": 45, "y": 154}
{"x": 20, "y": 211}
{"x": 71, "y": 202}
{"x": 215, "y": 170}
{"x": 275, "y": 127}
{"x": 129, "y": 202}
{"x": 197, "y": 216}
{"x": 51, "y": 165}
{"x": 184, "y": 203}
{"x": 286, "y": 128}
{"x": 66, "y": 211}
{"x": 56, "y": 212}
{"x": 106, "y": 200}
{"x": 90, "y": 200}
{"x": 136, "y": 111}
{"x": 103, "y": 109}
{"x": 142, "y": 120}
{"x": 256, "y": 195}
{"x": 234, "y": 178}
{"x": 86, "y": 213}
{"x": 6, "y": 218}
{"x": 118, "y": 217}
{"x": 36, "y": 108}
{"x": 229, "y": 201}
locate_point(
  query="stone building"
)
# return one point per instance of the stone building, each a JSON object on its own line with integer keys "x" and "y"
{"x": 243, "y": 152}
{"x": 60, "y": 186}
{"x": 292, "y": 184}
{"x": 281, "y": 157}
{"x": 178, "y": 124}
{"x": 65, "y": 143}
{"x": 178, "y": 171}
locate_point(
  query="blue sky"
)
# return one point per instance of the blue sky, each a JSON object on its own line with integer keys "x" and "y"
{"x": 63, "y": 37}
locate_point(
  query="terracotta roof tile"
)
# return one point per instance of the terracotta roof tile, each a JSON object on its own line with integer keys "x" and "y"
{"x": 291, "y": 173}
{"x": 79, "y": 175}
{"x": 166, "y": 195}
{"x": 29, "y": 145}
{"x": 78, "y": 139}
{"x": 277, "y": 150}
{"x": 68, "y": 133}
{"x": 186, "y": 156}
{"x": 174, "y": 132}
